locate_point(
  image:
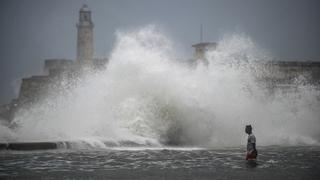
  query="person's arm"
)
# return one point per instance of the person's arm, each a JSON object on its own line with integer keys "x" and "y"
{"x": 253, "y": 141}
{"x": 254, "y": 146}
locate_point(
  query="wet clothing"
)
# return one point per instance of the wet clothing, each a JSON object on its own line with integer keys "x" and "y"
{"x": 251, "y": 140}
{"x": 251, "y": 150}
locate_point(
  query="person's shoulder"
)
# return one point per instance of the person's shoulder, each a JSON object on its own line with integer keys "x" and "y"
{"x": 251, "y": 138}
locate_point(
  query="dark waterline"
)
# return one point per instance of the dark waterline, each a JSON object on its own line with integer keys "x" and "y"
{"x": 172, "y": 163}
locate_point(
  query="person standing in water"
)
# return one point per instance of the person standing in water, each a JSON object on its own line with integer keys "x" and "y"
{"x": 252, "y": 152}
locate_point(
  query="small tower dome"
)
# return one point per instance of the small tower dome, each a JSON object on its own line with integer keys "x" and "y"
{"x": 84, "y": 8}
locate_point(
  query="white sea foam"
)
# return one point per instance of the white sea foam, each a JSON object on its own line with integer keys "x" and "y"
{"x": 145, "y": 96}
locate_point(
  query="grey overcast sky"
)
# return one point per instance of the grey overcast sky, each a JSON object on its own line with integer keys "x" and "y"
{"x": 34, "y": 30}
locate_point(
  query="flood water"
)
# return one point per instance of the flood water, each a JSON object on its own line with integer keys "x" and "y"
{"x": 273, "y": 162}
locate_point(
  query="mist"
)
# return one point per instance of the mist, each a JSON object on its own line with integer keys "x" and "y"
{"x": 147, "y": 97}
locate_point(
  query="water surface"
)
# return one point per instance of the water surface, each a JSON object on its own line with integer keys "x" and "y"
{"x": 161, "y": 163}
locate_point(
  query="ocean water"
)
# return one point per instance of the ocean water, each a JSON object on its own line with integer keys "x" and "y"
{"x": 274, "y": 162}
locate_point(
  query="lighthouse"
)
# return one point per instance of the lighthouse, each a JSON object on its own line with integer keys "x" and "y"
{"x": 85, "y": 37}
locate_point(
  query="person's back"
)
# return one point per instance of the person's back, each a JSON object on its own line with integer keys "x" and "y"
{"x": 252, "y": 152}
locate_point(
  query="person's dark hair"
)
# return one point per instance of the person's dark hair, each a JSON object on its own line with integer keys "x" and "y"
{"x": 248, "y": 129}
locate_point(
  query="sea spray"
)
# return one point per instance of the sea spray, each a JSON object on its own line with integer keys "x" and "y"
{"x": 147, "y": 97}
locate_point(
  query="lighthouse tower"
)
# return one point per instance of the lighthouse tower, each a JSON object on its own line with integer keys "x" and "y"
{"x": 85, "y": 37}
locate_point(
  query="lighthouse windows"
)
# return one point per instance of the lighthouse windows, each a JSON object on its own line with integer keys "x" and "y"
{"x": 86, "y": 17}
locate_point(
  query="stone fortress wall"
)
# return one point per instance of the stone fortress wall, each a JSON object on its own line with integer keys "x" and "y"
{"x": 57, "y": 66}
{"x": 282, "y": 72}
{"x": 275, "y": 73}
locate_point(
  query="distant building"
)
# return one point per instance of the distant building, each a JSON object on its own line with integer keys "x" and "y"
{"x": 85, "y": 37}
{"x": 202, "y": 48}
{"x": 34, "y": 88}
{"x": 274, "y": 73}
{"x": 290, "y": 73}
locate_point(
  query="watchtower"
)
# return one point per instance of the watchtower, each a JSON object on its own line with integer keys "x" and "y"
{"x": 85, "y": 36}
{"x": 202, "y": 48}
